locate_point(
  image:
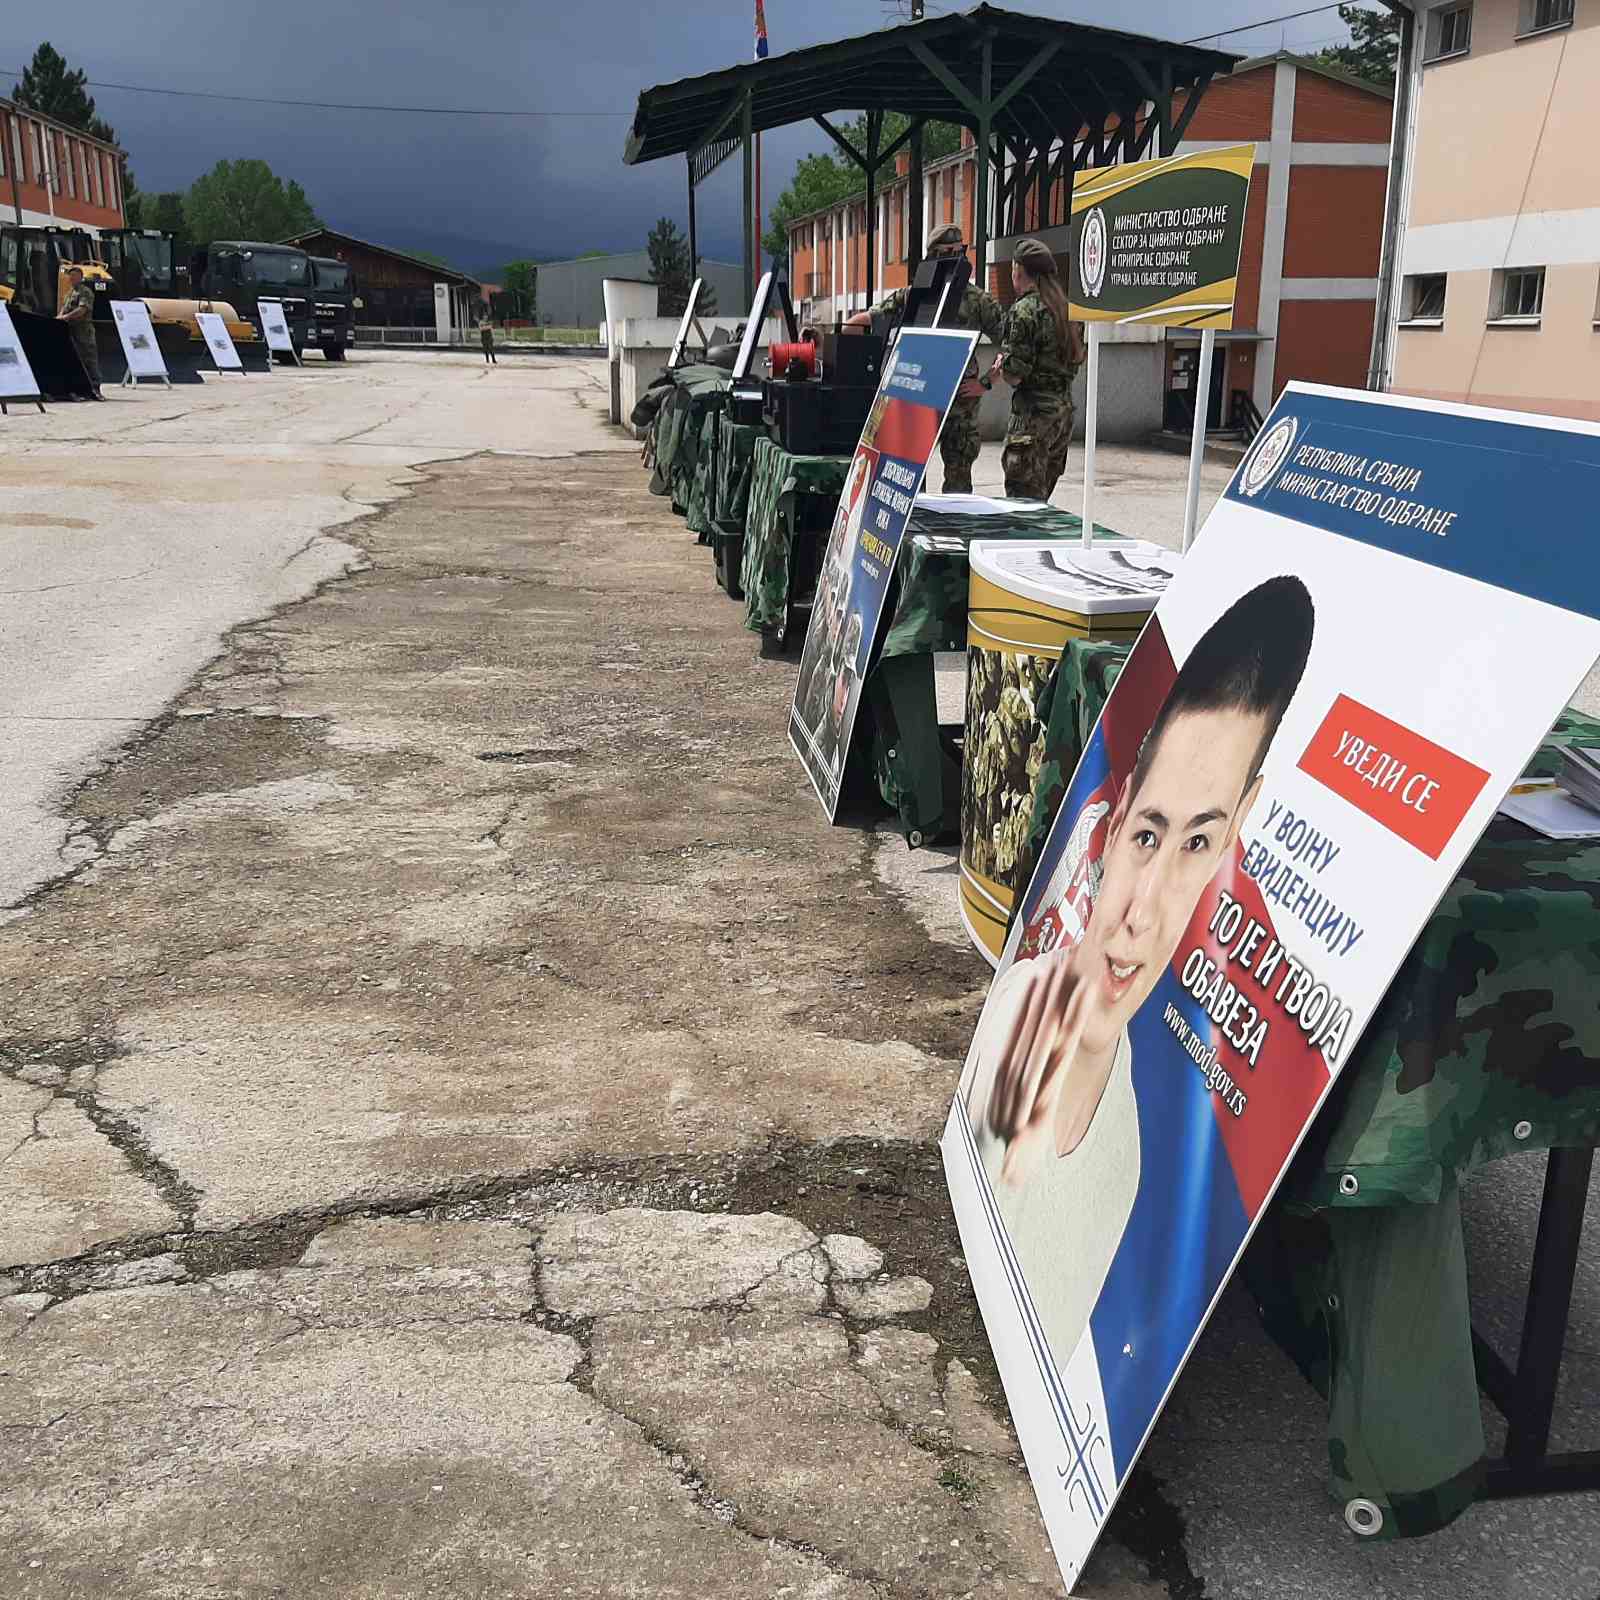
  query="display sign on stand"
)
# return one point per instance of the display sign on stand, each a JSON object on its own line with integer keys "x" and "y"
{"x": 139, "y": 347}
{"x": 17, "y": 381}
{"x": 918, "y": 384}
{"x": 1158, "y": 242}
{"x": 1307, "y": 739}
{"x": 275, "y": 329}
{"x": 220, "y": 342}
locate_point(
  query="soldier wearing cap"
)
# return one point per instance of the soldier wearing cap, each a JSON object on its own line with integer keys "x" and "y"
{"x": 958, "y": 442}
{"x": 1040, "y": 354}
{"x": 78, "y": 314}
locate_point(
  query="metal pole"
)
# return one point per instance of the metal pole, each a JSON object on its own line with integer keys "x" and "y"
{"x": 758, "y": 229}
{"x": 694, "y": 238}
{"x": 1197, "y": 444}
{"x": 914, "y": 187}
{"x": 1091, "y": 426}
{"x": 749, "y": 197}
{"x": 874, "y": 122}
{"x": 1393, "y": 208}
{"x": 980, "y": 189}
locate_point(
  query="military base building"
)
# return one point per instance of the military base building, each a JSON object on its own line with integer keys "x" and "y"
{"x": 53, "y": 175}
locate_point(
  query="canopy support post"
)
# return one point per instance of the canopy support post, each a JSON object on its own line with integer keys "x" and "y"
{"x": 748, "y": 140}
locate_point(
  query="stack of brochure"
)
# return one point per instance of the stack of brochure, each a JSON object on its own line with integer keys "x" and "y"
{"x": 1566, "y": 806}
{"x": 1580, "y": 773}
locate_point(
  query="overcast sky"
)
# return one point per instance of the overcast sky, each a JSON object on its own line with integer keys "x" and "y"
{"x": 483, "y": 189}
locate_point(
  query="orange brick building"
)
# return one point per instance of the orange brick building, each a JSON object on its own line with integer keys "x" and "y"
{"x": 1309, "y": 273}
{"x": 53, "y": 175}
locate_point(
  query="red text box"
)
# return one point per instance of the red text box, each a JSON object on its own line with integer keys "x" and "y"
{"x": 1414, "y": 787}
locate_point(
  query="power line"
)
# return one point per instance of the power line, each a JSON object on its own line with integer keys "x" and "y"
{"x": 1265, "y": 22}
{"x": 336, "y": 105}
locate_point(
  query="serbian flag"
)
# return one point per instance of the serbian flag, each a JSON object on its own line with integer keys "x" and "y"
{"x": 761, "y": 31}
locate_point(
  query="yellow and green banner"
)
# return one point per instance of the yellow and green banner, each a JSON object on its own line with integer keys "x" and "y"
{"x": 1159, "y": 241}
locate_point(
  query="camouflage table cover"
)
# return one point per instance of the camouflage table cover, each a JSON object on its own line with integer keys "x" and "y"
{"x": 776, "y": 477}
{"x": 675, "y": 440}
{"x": 736, "y": 444}
{"x": 916, "y": 765}
{"x": 703, "y": 483}
{"x": 1487, "y": 1044}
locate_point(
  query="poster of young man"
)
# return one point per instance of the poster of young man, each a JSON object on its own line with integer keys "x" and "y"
{"x": 1304, "y": 744}
{"x": 918, "y": 384}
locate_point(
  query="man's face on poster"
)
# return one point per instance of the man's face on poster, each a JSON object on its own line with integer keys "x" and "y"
{"x": 1167, "y": 838}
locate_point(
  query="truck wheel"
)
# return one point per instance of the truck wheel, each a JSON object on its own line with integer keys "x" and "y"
{"x": 334, "y": 352}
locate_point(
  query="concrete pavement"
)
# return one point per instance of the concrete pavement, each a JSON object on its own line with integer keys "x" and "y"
{"x": 466, "y": 1127}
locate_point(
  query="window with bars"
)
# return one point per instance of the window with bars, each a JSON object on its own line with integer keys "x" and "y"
{"x": 1539, "y": 16}
{"x": 1424, "y": 297}
{"x": 1449, "y": 31}
{"x": 1518, "y": 295}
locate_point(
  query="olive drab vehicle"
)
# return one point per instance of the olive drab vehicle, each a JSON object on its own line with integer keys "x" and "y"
{"x": 244, "y": 272}
{"x": 119, "y": 264}
{"x": 334, "y": 304}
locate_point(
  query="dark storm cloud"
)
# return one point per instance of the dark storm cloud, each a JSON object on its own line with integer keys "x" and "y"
{"x": 477, "y": 189}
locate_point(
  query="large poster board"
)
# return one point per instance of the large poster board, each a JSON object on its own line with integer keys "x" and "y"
{"x": 220, "y": 342}
{"x": 1342, "y": 680}
{"x": 1159, "y": 241}
{"x": 17, "y": 381}
{"x": 919, "y": 381}
{"x": 138, "y": 337}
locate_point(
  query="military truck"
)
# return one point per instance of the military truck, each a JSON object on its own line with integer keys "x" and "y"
{"x": 245, "y": 272}
{"x": 334, "y": 303}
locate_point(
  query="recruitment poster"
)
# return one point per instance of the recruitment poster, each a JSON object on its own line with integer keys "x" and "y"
{"x": 919, "y": 382}
{"x": 17, "y": 381}
{"x": 1304, "y": 744}
{"x": 219, "y": 341}
{"x": 138, "y": 338}
{"x": 1159, "y": 241}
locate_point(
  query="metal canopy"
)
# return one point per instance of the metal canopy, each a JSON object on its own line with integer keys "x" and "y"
{"x": 1042, "y": 98}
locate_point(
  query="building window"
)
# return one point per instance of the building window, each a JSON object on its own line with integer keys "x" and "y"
{"x": 72, "y": 171}
{"x": 83, "y": 169}
{"x": 1517, "y": 296}
{"x": 1540, "y": 16}
{"x": 1423, "y": 304}
{"x": 111, "y": 183}
{"x": 1449, "y": 31}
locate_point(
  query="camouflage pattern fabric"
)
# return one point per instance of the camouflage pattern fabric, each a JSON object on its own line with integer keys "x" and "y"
{"x": 775, "y": 475}
{"x": 1002, "y": 760}
{"x": 703, "y": 487}
{"x": 677, "y": 428}
{"x": 736, "y": 444}
{"x": 1040, "y": 428}
{"x": 1487, "y": 1044}
{"x": 980, "y": 313}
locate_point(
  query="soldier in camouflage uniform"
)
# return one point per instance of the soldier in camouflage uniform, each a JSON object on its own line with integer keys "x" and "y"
{"x": 78, "y": 314}
{"x": 981, "y": 313}
{"x": 1040, "y": 365}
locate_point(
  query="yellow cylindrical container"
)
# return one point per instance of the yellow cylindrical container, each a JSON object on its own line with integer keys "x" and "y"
{"x": 1025, "y": 601}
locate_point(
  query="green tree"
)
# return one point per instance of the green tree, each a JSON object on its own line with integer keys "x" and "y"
{"x": 669, "y": 270}
{"x": 163, "y": 211}
{"x": 826, "y": 179}
{"x": 1374, "y": 44}
{"x": 245, "y": 200}
{"x": 519, "y": 280}
{"x": 54, "y": 89}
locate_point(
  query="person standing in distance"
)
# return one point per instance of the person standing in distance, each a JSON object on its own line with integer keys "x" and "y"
{"x": 486, "y": 333}
{"x": 980, "y": 313}
{"x": 1039, "y": 357}
{"x": 78, "y": 314}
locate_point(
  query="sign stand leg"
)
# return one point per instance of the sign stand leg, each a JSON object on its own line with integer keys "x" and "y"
{"x": 1091, "y": 426}
{"x": 1197, "y": 444}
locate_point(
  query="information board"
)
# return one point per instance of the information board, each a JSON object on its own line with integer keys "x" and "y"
{"x": 919, "y": 381}
{"x": 220, "y": 342}
{"x": 1159, "y": 241}
{"x": 1343, "y": 678}
{"x": 275, "y": 328}
{"x": 138, "y": 336}
{"x": 17, "y": 381}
